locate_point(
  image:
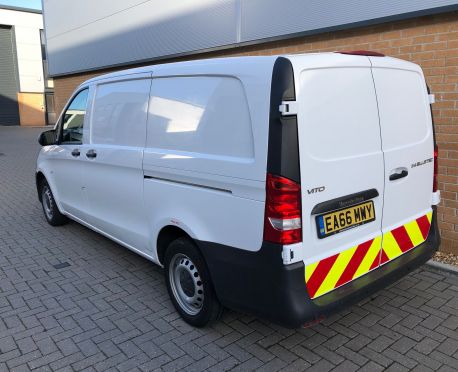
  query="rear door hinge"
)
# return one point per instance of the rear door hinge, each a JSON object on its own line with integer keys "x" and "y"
{"x": 436, "y": 198}
{"x": 288, "y": 108}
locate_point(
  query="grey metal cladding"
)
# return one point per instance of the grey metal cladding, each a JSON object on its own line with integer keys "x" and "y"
{"x": 118, "y": 40}
{"x": 270, "y": 18}
{"x": 111, "y": 33}
{"x": 9, "y": 85}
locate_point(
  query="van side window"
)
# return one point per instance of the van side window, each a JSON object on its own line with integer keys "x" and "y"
{"x": 73, "y": 119}
{"x": 120, "y": 111}
{"x": 201, "y": 114}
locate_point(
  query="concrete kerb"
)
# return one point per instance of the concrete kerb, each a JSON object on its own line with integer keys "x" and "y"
{"x": 451, "y": 269}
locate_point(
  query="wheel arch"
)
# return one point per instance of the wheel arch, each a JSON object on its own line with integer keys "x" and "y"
{"x": 166, "y": 235}
{"x": 39, "y": 178}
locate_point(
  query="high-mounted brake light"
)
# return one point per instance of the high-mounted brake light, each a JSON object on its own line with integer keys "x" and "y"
{"x": 436, "y": 168}
{"x": 367, "y": 53}
{"x": 282, "y": 221}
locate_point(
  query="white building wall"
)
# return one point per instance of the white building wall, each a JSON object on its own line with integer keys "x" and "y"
{"x": 28, "y": 48}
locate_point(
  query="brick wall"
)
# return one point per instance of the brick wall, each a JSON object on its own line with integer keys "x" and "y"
{"x": 429, "y": 41}
{"x": 31, "y": 109}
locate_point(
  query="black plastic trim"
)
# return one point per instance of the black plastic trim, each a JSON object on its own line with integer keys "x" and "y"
{"x": 259, "y": 282}
{"x": 283, "y": 148}
{"x": 344, "y": 201}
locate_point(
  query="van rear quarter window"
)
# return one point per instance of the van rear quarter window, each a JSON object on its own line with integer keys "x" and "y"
{"x": 204, "y": 114}
{"x": 120, "y": 112}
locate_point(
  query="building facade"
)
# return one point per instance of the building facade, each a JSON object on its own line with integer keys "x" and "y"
{"x": 122, "y": 34}
{"x": 25, "y": 89}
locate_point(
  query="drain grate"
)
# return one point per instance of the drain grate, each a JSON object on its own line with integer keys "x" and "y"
{"x": 61, "y": 265}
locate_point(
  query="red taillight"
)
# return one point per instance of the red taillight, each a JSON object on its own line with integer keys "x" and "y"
{"x": 282, "y": 221}
{"x": 436, "y": 168}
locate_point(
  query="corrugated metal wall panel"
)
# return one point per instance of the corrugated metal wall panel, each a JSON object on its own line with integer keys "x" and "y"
{"x": 272, "y": 18}
{"x": 9, "y": 109}
{"x": 117, "y": 32}
{"x": 150, "y": 29}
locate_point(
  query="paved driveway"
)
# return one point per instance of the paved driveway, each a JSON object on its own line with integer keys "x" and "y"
{"x": 107, "y": 308}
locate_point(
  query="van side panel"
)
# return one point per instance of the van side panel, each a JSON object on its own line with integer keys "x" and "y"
{"x": 183, "y": 119}
{"x": 201, "y": 162}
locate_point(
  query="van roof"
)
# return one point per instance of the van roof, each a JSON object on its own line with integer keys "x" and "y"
{"x": 222, "y": 64}
{"x": 254, "y": 65}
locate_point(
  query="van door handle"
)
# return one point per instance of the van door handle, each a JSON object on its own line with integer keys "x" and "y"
{"x": 76, "y": 153}
{"x": 91, "y": 154}
{"x": 399, "y": 175}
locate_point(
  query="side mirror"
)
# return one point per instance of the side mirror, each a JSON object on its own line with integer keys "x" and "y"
{"x": 47, "y": 138}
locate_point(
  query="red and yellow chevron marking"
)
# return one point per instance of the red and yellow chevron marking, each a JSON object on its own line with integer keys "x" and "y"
{"x": 332, "y": 272}
{"x": 402, "y": 239}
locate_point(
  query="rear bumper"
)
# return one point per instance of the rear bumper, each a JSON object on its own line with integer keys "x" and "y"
{"x": 259, "y": 283}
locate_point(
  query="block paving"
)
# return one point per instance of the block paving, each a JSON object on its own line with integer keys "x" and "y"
{"x": 106, "y": 308}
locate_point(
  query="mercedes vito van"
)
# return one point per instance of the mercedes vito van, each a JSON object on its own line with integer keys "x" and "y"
{"x": 283, "y": 186}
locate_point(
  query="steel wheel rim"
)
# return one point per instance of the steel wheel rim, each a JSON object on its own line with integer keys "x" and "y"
{"x": 186, "y": 283}
{"x": 47, "y": 202}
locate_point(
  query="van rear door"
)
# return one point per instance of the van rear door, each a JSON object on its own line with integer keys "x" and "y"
{"x": 408, "y": 146}
{"x": 342, "y": 171}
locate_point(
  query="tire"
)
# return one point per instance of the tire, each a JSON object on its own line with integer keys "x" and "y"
{"x": 189, "y": 284}
{"x": 50, "y": 210}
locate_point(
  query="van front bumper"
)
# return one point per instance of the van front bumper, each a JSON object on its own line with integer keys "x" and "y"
{"x": 259, "y": 283}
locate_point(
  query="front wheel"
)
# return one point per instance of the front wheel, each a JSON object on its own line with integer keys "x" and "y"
{"x": 189, "y": 284}
{"x": 52, "y": 213}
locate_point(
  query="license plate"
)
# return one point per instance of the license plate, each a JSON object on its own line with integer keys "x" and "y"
{"x": 343, "y": 219}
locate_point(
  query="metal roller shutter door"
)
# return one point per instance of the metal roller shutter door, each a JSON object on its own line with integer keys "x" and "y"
{"x": 9, "y": 109}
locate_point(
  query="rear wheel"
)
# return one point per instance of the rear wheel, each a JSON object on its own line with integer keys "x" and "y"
{"x": 189, "y": 284}
{"x": 52, "y": 213}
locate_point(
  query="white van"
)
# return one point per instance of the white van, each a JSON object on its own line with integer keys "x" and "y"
{"x": 284, "y": 186}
